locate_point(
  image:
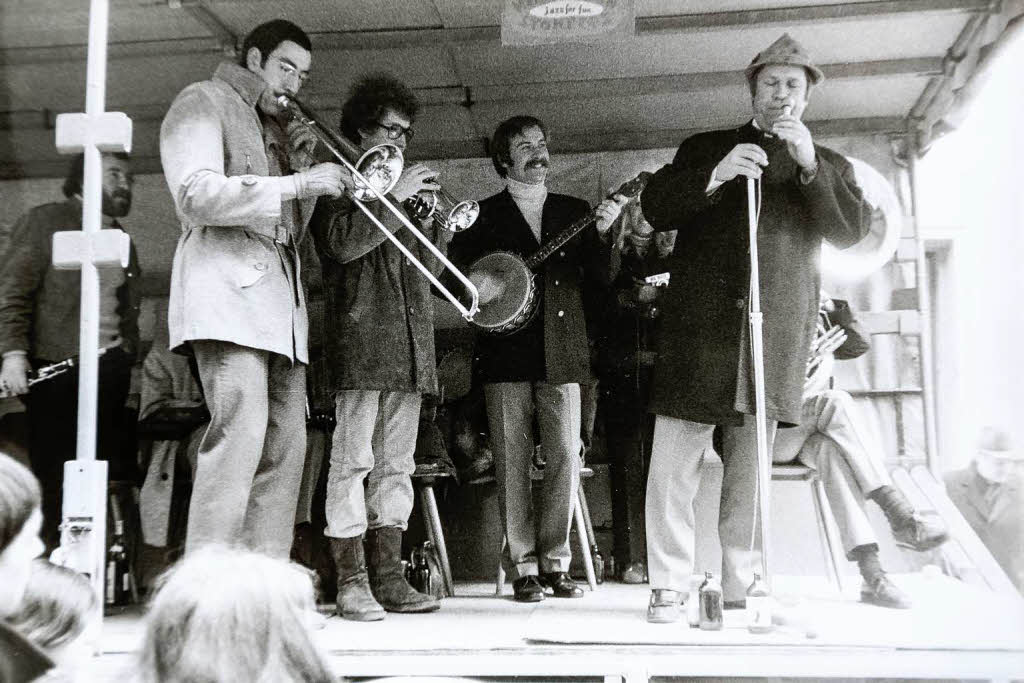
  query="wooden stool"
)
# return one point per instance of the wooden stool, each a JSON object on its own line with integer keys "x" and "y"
{"x": 834, "y": 556}
{"x": 424, "y": 483}
{"x": 581, "y": 519}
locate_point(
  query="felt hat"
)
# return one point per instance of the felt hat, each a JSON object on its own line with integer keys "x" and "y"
{"x": 998, "y": 443}
{"x": 787, "y": 52}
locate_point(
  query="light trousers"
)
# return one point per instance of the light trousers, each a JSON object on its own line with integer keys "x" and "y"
{"x": 833, "y": 439}
{"x": 511, "y": 407}
{"x": 374, "y": 442}
{"x": 250, "y": 459}
{"x": 677, "y": 453}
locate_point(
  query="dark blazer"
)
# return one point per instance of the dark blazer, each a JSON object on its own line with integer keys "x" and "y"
{"x": 379, "y": 314}
{"x": 701, "y": 374}
{"x": 553, "y": 346}
{"x": 39, "y": 305}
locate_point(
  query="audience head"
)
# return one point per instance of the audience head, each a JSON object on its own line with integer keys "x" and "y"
{"x": 279, "y": 52}
{"x": 117, "y": 182}
{"x": 380, "y": 109}
{"x": 519, "y": 149}
{"x": 59, "y": 613}
{"x": 20, "y": 522}
{"x": 998, "y": 457}
{"x": 231, "y": 615}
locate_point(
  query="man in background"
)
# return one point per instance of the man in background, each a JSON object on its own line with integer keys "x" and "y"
{"x": 990, "y": 495}
{"x": 39, "y": 326}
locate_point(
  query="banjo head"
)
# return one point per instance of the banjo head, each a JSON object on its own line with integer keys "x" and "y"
{"x": 507, "y": 291}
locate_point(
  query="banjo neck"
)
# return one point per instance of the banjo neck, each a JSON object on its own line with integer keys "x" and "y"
{"x": 628, "y": 189}
{"x": 559, "y": 240}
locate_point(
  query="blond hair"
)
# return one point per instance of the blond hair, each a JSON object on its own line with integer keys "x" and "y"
{"x": 231, "y": 615}
{"x": 57, "y": 606}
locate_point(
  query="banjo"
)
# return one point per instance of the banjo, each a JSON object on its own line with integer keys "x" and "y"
{"x": 508, "y": 293}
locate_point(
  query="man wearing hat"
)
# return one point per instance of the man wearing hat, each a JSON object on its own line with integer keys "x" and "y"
{"x": 990, "y": 495}
{"x": 703, "y": 376}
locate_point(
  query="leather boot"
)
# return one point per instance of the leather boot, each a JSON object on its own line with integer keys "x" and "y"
{"x": 909, "y": 528}
{"x": 355, "y": 600}
{"x": 387, "y": 579}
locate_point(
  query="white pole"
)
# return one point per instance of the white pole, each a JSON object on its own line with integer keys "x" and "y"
{"x": 92, "y": 198}
{"x": 764, "y": 457}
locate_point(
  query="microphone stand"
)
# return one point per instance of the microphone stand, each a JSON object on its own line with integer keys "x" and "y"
{"x": 764, "y": 457}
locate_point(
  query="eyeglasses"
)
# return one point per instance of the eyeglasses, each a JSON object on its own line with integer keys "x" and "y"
{"x": 395, "y": 131}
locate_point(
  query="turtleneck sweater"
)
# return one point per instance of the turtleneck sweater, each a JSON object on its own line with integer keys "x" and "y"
{"x": 530, "y": 200}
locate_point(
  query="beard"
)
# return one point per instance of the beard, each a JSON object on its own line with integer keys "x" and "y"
{"x": 118, "y": 204}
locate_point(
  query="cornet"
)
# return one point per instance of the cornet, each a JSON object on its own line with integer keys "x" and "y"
{"x": 447, "y": 213}
{"x": 374, "y": 173}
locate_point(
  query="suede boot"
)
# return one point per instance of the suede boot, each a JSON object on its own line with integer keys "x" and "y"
{"x": 355, "y": 600}
{"x": 909, "y": 528}
{"x": 387, "y": 580}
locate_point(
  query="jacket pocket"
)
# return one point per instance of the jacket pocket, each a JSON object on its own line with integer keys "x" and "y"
{"x": 255, "y": 261}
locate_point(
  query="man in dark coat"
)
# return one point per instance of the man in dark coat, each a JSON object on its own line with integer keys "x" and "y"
{"x": 39, "y": 326}
{"x": 702, "y": 376}
{"x": 380, "y": 361}
{"x": 536, "y": 372}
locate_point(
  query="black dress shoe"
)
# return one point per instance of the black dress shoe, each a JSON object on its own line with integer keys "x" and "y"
{"x": 527, "y": 589}
{"x": 561, "y": 584}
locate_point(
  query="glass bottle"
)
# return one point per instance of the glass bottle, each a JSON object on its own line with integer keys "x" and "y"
{"x": 759, "y": 606}
{"x": 710, "y": 604}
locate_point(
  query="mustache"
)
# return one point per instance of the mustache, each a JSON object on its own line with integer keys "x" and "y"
{"x": 537, "y": 162}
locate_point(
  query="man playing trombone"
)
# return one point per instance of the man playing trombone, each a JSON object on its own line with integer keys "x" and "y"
{"x": 380, "y": 357}
{"x": 244, "y": 189}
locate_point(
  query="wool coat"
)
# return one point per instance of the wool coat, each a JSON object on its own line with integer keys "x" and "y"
{"x": 379, "y": 312}
{"x": 235, "y": 275}
{"x": 703, "y": 372}
{"x": 553, "y": 346}
{"x": 40, "y": 305}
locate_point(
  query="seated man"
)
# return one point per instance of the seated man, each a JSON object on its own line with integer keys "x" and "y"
{"x": 990, "y": 495}
{"x": 833, "y": 440}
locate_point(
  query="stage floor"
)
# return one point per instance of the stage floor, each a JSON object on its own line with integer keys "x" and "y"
{"x": 954, "y": 631}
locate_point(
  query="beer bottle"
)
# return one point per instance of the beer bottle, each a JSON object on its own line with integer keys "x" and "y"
{"x": 759, "y": 606}
{"x": 421, "y": 572}
{"x": 710, "y": 604}
{"x": 117, "y": 587}
{"x": 598, "y": 559}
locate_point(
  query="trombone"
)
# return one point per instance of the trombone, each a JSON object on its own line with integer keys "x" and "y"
{"x": 374, "y": 173}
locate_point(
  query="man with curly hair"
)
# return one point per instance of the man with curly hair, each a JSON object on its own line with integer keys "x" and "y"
{"x": 379, "y": 346}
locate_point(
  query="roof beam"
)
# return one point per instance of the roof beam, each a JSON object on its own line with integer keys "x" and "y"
{"x": 576, "y": 142}
{"x": 668, "y": 84}
{"x": 435, "y": 36}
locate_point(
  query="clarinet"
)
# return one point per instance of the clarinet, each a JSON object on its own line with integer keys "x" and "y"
{"x": 49, "y": 372}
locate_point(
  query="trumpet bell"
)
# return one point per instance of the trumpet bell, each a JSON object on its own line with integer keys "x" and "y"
{"x": 453, "y": 217}
{"x": 381, "y": 166}
{"x": 463, "y": 215}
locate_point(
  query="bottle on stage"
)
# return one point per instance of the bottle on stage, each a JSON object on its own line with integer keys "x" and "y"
{"x": 118, "y": 588}
{"x": 421, "y": 578}
{"x": 595, "y": 552}
{"x": 759, "y": 606}
{"x": 693, "y": 602}
{"x": 710, "y": 603}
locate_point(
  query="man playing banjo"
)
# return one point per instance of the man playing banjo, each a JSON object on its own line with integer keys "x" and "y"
{"x": 535, "y": 370}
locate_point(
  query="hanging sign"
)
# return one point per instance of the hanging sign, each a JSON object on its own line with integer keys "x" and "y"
{"x": 533, "y": 22}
